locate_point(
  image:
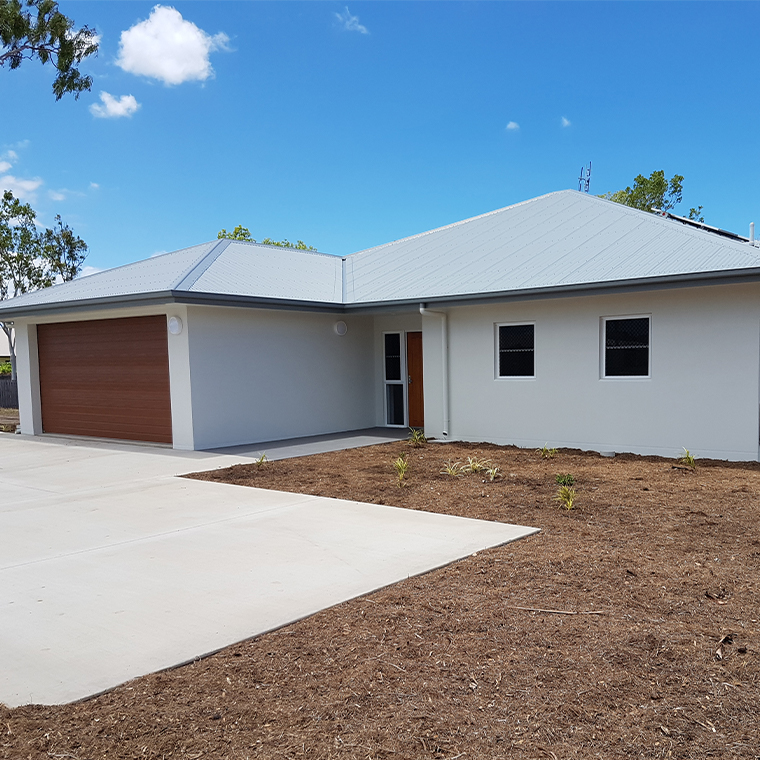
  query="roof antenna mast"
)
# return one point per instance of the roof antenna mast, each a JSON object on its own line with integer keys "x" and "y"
{"x": 584, "y": 181}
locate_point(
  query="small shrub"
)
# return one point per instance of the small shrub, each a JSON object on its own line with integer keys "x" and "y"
{"x": 453, "y": 469}
{"x": 476, "y": 465}
{"x": 566, "y": 497}
{"x": 493, "y": 473}
{"x": 688, "y": 459}
{"x": 401, "y": 465}
{"x": 5, "y": 368}
{"x": 565, "y": 479}
{"x": 261, "y": 461}
{"x": 417, "y": 437}
{"x": 546, "y": 452}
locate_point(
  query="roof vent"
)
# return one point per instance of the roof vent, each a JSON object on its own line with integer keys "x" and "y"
{"x": 751, "y": 233}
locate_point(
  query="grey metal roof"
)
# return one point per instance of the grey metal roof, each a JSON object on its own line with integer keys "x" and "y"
{"x": 558, "y": 240}
{"x": 561, "y": 241}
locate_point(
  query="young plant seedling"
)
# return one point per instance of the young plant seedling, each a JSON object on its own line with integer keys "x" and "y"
{"x": 565, "y": 479}
{"x": 417, "y": 437}
{"x": 566, "y": 497}
{"x": 546, "y": 452}
{"x": 402, "y": 465}
{"x": 493, "y": 472}
{"x": 262, "y": 460}
{"x": 688, "y": 459}
{"x": 454, "y": 469}
{"x": 476, "y": 465}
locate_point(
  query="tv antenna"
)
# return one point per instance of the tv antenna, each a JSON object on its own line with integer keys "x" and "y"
{"x": 584, "y": 181}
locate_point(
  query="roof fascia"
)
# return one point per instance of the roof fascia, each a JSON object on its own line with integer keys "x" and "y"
{"x": 213, "y": 299}
{"x": 670, "y": 282}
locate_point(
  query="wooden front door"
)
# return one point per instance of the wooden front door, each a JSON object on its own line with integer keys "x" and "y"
{"x": 414, "y": 370}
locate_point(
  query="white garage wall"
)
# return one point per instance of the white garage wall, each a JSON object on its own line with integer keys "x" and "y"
{"x": 265, "y": 374}
{"x": 702, "y": 394}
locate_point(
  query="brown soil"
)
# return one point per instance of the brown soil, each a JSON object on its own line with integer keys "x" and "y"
{"x": 448, "y": 665}
{"x": 8, "y": 420}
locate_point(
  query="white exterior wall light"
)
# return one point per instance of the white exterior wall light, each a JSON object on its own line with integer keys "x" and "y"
{"x": 175, "y": 325}
{"x": 341, "y": 328}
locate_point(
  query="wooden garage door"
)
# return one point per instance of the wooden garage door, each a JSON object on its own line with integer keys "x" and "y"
{"x": 107, "y": 378}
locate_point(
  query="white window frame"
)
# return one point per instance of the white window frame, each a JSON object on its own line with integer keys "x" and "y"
{"x": 512, "y": 378}
{"x": 603, "y": 348}
{"x": 402, "y": 382}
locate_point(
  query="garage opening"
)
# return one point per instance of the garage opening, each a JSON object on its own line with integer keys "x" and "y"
{"x": 106, "y": 378}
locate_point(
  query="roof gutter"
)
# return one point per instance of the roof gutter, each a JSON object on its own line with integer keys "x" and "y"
{"x": 444, "y": 317}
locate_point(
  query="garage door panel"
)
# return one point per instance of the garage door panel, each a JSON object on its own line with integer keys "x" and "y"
{"x": 106, "y": 378}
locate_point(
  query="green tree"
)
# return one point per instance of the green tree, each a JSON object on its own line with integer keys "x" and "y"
{"x": 37, "y": 29}
{"x": 30, "y": 260}
{"x": 239, "y": 233}
{"x": 654, "y": 192}
{"x": 243, "y": 233}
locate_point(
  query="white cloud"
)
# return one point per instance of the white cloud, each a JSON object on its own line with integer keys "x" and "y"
{"x": 88, "y": 270}
{"x": 513, "y": 126}
{"x": 114, "y": 108}
{"x": 350, "y": 23}
{"x": 94, "y": 186}
{"x": 168, "y": 48}
{"x": 566, "y": 122}
{"x": 5, "y": 165}
{"x": 23, "y": 189}
{"x": 54, "y": 195}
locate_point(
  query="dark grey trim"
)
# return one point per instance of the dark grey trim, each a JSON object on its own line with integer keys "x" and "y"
{"x": 162, "y": 298}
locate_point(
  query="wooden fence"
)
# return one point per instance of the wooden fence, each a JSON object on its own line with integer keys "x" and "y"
{"x": 8, "y": 393}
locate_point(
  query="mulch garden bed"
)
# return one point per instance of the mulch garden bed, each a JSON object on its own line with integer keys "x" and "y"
{"x": 8, "y": 420}
{"x": 652, "y": 649}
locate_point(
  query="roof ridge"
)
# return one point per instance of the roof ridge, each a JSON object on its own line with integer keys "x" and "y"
{"x": 457, "y": 224}
{"x": 189, "y": 278}
{"x": 286, "y": 248}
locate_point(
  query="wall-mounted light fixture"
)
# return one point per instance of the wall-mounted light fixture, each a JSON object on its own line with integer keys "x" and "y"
{"x": 341, "y": 328}
{"x": 175, "y": 325}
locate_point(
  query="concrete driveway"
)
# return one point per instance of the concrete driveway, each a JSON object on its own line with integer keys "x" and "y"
{"x": 112, "y": 567}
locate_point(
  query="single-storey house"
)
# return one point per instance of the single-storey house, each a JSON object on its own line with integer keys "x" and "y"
{"x": 566, "y": 319}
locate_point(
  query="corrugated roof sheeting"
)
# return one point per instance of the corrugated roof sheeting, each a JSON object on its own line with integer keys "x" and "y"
{"x": 153, "y": 275}
{"x": 560, "y": 239}
{"x": 246, "y": 269}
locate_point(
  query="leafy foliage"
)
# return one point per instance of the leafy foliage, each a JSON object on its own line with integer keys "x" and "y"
{"x": 546, "y": 452}
{"x": 493, "y": 472}
{"x": 401, "y": 465}
{"x": 654, "y": 192}
{"x": 688, "y": 459}
{"x": 417, "y": 437}
{"x": 243, "y": 233}
{"x": 32, "y": 29}
{"x": 565, "y": 479}
{"x": 30, "y": 260}
{"x": 566, "y": 497}
{"x": 239, "y": 233}
{"x": 476, "y": 465}
{"x": 453, "y": 469}
{"x": 5, "y": 368}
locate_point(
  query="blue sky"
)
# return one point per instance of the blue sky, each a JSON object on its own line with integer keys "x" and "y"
{"x": 352, "y": 125}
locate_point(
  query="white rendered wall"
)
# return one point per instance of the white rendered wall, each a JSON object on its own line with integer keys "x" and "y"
{"x": 703, "y": 392}
{"x": 267, "y": 374}
{"x": 28, "y": 379}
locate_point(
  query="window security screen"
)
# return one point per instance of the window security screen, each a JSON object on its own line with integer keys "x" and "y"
{"x": 393, "y": 357}
{"x": 626, "y": 347}
{"x": 516, "y": 351}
